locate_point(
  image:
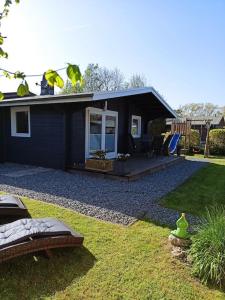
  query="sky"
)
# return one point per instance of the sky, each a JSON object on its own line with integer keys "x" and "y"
{"x": 178, "y": 45}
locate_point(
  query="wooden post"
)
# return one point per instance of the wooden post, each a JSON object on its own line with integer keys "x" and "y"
{"x": 206, "y": 151}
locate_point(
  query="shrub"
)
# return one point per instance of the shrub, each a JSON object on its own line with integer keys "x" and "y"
{"x": 195, "y": 139}
{"x": 156, "y": 127}
{"x": 217, "y": 141}
{"x": 207, "y": 251}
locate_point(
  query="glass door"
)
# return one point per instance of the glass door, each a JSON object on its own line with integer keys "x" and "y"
{"x": 101, "y": 132}
{"x": 110, "y": 135}
{"x": 95, "y": 136}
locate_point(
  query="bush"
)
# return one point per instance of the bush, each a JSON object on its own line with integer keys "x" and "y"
{"x": 208, "y": 248}
{"x": 217, "y": 141}
{"x": 194, "y": 141}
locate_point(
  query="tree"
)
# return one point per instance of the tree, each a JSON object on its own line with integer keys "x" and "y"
{"x": 52, "y": 77}
{"x": 102, "y": 79}
{"x": 223, "y": 111}
{"x": 98, "y": 78}
{"x": 137, "y": 81}
{"x": 199, "y": 109}
{"x": 72, "y": 89}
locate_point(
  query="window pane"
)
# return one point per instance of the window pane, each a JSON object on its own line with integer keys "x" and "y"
{"x": 22, "y": 122}
{"x": 134, "y": 130}
{"x": 110, "y": 130}
{"x": 95, "y": 132}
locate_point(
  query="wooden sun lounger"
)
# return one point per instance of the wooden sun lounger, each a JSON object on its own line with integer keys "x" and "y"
{"x": 33, "y": 235}
{"x": 12, "y": 206}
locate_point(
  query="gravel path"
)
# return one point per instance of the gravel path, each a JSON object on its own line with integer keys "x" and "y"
{"x": 111, "y": 200}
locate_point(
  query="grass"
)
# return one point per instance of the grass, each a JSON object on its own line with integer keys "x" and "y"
{"x": 206, "y": 188}
{"x": 117, "y": 263}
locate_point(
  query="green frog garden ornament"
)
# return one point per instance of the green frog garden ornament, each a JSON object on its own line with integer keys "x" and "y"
{"x": 182, "y": 228}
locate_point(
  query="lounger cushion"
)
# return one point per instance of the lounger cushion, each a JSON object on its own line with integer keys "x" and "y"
{"x": 21, "y": 230}
{"x": 8, "y": 201}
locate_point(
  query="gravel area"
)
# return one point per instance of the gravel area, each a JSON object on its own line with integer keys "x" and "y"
{"x": 110, "y": 200}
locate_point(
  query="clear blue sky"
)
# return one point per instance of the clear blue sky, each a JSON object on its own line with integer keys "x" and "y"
{"x": 178, "y": 45}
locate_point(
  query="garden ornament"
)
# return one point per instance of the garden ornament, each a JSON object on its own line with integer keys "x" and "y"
{"x": 182, "y": 227}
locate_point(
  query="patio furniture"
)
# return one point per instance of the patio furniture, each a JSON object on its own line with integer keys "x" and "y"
{"x": 147, "y": 143}
{"x": 32, "y": 235}
{"x": 157, "y": 144}
{"x": 132, "y": 146}
{"x": 12, "y": 206}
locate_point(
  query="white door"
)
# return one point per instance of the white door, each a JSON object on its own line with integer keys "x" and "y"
{"x": 101, "y": 131}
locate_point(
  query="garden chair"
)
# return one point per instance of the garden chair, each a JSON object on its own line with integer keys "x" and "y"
{"x": 33, "y": 235}
{"x": 13, "y": 207}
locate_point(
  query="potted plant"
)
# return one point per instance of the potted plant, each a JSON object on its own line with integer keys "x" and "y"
{"x": 99, "y": 162}
{"x": 121, "y": 167}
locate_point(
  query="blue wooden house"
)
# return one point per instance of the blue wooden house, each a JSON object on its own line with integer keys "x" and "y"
{"x": 62, "y": 131}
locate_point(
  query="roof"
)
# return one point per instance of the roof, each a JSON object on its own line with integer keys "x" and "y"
{"x": 198, "y": 120}
{"x": 13, "y": 95}
{"x": 86, "y": 97}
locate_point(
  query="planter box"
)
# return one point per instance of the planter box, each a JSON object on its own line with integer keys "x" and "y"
{"x": 104, "y": 165}
{"x": 121, "y": 167}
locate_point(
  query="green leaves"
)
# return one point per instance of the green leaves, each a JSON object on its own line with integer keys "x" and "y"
{"x": 73, "y": 73}
{"x": 6, "y": 74}
{"x": 23, "y": 89}
{"x": 19, "y": 75}
{"x": 1, "y": 40}
{"x": 1, "y": 96}
{"x": 53, "y": 78}
{"x": 3, "y": 53}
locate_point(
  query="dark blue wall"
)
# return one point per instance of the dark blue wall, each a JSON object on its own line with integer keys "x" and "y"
{"x": 76, "y": 133}
{"x": 45, "y": 146}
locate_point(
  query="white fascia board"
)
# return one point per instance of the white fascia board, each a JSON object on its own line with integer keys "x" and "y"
{"x": 117, "y": 94}
{"x": 20, "y": 102}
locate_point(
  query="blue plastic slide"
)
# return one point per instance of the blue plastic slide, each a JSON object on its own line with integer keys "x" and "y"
{"x": 174, "y": 142}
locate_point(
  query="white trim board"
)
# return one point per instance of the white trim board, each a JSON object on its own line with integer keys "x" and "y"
{"x": 13, "y": 112}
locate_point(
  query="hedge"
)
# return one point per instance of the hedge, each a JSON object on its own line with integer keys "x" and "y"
{"x": 217, "y": 141}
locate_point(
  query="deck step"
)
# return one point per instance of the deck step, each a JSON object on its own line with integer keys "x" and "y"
{"x": 136, "y": 174}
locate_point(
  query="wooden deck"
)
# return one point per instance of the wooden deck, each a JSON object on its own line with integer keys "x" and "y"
{"x": 138, "y": 167}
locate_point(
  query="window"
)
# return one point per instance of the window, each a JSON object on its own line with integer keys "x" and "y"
{"x": 20, "y": 121}
{"x": 136, "y": 126}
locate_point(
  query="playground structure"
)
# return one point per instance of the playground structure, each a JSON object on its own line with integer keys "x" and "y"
{"x": 178, "y": 129}
{"x": 183, "y": 128}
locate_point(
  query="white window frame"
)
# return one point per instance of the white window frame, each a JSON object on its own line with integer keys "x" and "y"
{"x": 103, "y": 113}
{"x": 14, "y": 110}
{"x": 138, "y": 118}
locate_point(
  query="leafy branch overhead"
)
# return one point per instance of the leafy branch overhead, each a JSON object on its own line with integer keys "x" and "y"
{"x": 73, "y": 73}
{"x": 52, "y": 76}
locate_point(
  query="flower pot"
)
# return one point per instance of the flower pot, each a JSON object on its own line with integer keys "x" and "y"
{"x": 104, "y": 165}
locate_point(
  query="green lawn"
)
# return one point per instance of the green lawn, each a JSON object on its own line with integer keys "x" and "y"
{"x": 204, "y": 189}
{"x": 117, "y": 263}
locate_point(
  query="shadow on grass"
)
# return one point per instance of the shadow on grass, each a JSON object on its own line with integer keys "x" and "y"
{"x": 157, "y": 223}
{"x": 24, "y": 278}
